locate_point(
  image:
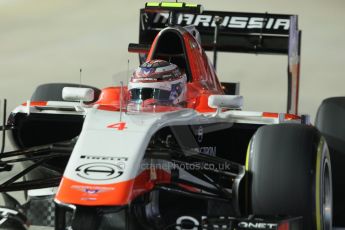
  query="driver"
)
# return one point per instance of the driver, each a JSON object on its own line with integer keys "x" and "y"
{"x": 158, "y": 82}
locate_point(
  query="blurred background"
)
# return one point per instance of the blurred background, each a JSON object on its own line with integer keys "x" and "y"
{"x": 49, "y": 41}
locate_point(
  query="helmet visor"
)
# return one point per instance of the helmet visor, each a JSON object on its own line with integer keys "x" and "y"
{"x": 142, "y": 94}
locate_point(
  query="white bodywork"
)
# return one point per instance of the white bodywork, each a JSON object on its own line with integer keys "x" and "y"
{"x": 103, "y": 140}
{"x": 126, "y": 146}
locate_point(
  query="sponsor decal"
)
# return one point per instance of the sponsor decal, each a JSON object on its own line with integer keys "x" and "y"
{"x": 192, "y": 223}
{"x": 237, "y": 22}
{"x": 100, "y": 170}
{"x": 88, "y": 198}
{"x": 220, "y": 222}
{"x": 208, "y": 150}
{"x": 104, "y": 158}
{"x": 92, "y": 189}
{"x": 257, "y": 225}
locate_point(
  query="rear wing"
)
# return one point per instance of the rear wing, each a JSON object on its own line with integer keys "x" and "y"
{"x": 239, "y": 32}
{"x": 258, "y": 33}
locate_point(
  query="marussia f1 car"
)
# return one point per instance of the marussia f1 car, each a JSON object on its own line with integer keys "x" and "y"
{"x": 173, "y": 149}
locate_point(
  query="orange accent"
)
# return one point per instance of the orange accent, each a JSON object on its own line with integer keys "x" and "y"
{"x": 268, "y": 114}
{"x": 203, "y": 80}
{"x": 284, "y": 226}
{"x": 36, "y": 103}
{"x": 108, "y": 107}
{"x": 276, "y": 115}
{"x": 69, "y": 195}
{"x": 153, "y": 46}
{"x": 122, "y": 193}
{"x": 202, "y": 104}
{"x": 292, "y": 117}
{"x": 109, "y": 99}
{"x": 111, "y": 96}
{"x": 189, "y": 188}
{"x": 201, "y": 69}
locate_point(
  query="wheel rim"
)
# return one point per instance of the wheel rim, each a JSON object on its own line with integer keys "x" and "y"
{"x": 326, "y": 197}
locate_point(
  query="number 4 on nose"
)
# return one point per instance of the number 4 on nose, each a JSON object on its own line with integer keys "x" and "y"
{"x": 119, "y": 126}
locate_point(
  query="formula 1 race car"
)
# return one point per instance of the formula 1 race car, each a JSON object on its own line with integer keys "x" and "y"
{"x": 173, "y": 149}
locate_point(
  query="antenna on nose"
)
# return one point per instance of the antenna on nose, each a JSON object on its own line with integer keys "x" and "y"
{"x": 80, "y": 73}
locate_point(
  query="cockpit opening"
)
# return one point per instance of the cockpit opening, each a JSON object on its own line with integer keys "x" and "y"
{"x": 170, "y": 47}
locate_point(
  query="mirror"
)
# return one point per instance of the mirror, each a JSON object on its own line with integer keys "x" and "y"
{"x": 225, "y": 101}
{"x": 78, "y": 94}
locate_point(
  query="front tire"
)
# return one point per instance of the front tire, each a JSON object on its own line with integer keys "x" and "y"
{"x": 290, "y": 174}
{"x": 330, "y": 120}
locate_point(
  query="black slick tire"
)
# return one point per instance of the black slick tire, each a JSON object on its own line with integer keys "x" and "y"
{"x": 289, "y": 172}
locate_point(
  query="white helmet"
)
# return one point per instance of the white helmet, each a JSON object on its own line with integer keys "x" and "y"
{"x": 158, "y": 82}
